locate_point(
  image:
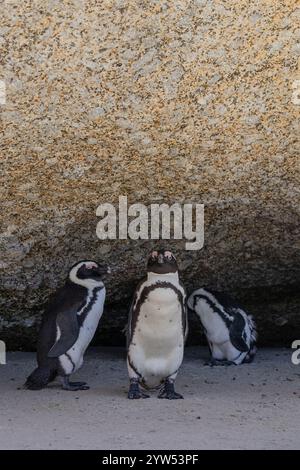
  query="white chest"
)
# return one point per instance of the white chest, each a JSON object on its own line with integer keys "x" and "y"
{"x": 158, "y": 340}
{"x": 160, "y": 318}
{"x": 72, "y": 360}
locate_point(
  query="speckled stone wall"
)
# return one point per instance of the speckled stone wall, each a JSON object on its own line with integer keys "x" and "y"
{"x": 163, "y": 101}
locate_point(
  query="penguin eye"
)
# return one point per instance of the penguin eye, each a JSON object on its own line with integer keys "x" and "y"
{"x": 168, "y": 255}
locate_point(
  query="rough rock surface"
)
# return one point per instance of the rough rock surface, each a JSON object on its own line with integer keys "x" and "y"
{"x": 186, "y": 101}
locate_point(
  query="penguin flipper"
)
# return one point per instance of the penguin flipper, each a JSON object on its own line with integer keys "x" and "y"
{"x": 236, "y": 334}
{"x": 132, "y": 316}
{"x": 185, "y": 325}
{"x": 68, "y": 325}
{"x": 131, "y": 321}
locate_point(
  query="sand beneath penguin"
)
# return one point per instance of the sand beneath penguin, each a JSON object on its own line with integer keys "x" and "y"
{"x": 253, "y": 406}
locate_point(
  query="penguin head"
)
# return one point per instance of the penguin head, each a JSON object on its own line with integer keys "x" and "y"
{"x": 88, "y": 273}
{"x": 162, "y": 262}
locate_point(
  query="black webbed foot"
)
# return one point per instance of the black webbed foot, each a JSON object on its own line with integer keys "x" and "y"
{"x": 73, "y": 386}
{"x": 78, "y": 384}
{"x": 135, "y": 392}
{"x": 168, "y": 391}
{"x": 219, "y": 362}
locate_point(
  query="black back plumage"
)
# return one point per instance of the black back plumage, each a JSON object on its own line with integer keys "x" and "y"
{"x": 62, "y": 309}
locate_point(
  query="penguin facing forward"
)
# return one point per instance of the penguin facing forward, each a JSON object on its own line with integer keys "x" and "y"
{"x": 230, "y": 331}
{"x": 68, "y": 326}
{"x": 157, "y": 329}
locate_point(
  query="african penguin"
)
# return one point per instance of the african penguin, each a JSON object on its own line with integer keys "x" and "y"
{"x": 157, "y": 328}
{"x": 68, "y": 326}
{"x": 230, "y": 331}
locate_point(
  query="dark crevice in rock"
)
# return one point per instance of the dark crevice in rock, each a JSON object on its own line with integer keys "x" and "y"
{"x": 275, "y": 308}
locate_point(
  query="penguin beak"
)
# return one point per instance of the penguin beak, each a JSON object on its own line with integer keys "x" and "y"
{"x": 160, "y": 259}
{"x": 103, "y": 270}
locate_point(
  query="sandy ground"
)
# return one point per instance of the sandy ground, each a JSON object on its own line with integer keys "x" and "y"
{"x": 255, "y": 406}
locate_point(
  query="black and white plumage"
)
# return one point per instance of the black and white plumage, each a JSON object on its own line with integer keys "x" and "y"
{"x": 68, "y": 326}
{"x": 230, "y": 331}
{"x": 157, "y": 328}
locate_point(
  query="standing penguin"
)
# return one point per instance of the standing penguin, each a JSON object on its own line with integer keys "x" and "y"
{"x": 230, "y": 331}
{"x": 68, "y": 326}
{"x": 157, "y": 328}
